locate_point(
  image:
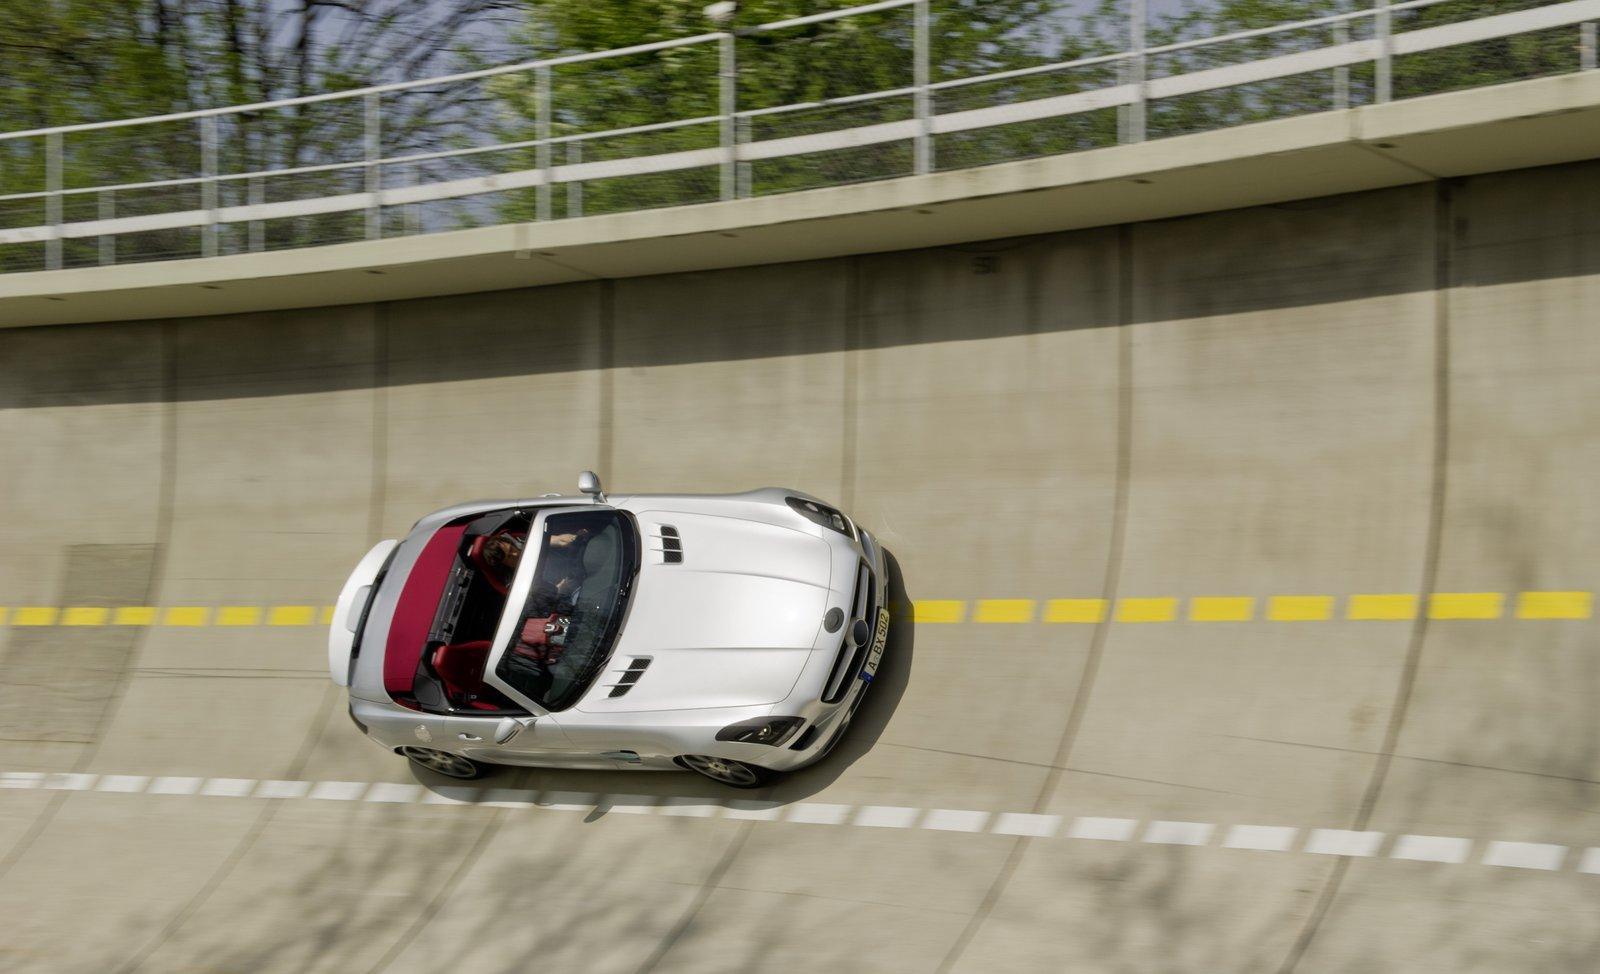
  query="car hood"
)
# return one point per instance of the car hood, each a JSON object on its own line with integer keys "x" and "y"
{"x": 731, "y": 625}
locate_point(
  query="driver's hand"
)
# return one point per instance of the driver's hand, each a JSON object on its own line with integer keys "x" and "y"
{"x": 565, "y": 540}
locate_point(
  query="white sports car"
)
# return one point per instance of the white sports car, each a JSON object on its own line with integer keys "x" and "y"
{"x": 733, "y": 635}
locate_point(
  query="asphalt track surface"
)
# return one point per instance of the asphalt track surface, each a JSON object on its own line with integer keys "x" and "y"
{"x": 1390, "y": 393}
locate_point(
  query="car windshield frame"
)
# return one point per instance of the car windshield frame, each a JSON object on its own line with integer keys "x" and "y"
{"x": 545, "y": 679}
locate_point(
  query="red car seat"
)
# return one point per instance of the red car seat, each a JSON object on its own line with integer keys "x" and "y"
{"x": 460, "y": 666}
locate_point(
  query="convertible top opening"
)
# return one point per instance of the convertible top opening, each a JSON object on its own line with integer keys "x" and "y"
{"x": 446, "y": 616}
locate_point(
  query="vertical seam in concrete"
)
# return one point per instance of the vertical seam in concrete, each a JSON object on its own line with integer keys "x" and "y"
{"x": 853, "y": 328}
{"x": 608, "y": 388}
{"x": 297, "y": 766}
{"x": 1108, "y": 592}
{"x": 326, "y": 708}
{"x": 447, "y": 890}
{"x": 377, "y": 499}
{"x": 1443, "y": 274}
{"x": 166, "y": 492}
{"x": 700, "y": 897}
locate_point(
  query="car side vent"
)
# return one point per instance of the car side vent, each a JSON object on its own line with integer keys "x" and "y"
{"x": 671, "y": 545}
{"x": 629, "y": 676}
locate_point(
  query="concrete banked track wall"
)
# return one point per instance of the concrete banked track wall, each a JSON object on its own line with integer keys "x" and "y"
{"x": 1386, "y": 393}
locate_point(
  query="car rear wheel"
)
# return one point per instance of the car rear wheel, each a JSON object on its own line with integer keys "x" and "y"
{"x": 735, "y": 774}
{"x": 445, "y": 763}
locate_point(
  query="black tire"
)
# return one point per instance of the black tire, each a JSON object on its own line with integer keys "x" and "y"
{"x": 445, "y": 763}
{"x": 726, "y": 771}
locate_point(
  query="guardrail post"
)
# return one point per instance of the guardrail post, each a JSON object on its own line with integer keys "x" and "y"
{"x": 920, "y": 70}
{"x": 1341, "y": 74}
{"x": 1132, "y": 116}
{"x": 744, "y": 128}
{"x": 373, "y": 125}
{"x": 208, "y": 189}
{"x": 541, "y": 131}
{"x": 106, "y": 209}
{"x": 728, "y": 99}
{"x": 52, "y": 203}
{"x": 1588, "y": 49}
{"x": 257, "y": 230}
{"x": 575, "y": 187}
{"x": 1384, "y": 80}
{"x": 411, "y": 213}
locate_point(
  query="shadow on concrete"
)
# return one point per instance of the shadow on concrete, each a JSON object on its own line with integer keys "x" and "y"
{"x": 1503, "y": 227}
{"x": 609, "y": 790}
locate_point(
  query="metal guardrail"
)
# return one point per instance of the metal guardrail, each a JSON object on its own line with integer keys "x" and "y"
{"x": 714, "y": 154}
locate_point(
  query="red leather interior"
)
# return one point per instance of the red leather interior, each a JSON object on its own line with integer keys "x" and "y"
{"x": 460, "y": 666}
{"x": 490, "y": 575}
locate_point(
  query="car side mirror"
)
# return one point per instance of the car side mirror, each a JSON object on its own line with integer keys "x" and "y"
{"x": 589, "y": 483}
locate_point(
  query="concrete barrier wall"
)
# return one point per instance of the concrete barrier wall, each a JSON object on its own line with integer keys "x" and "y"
{"x": 1147, "y": 485}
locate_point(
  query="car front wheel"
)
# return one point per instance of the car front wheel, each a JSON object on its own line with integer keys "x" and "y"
{"x": 445, "y": 763}
{"x": 735, "y": 774}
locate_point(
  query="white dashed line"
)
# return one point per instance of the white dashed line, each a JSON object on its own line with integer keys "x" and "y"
{"x": 71, "y": 782}
{"x": 1020, "y": 823}
{"x": 1431, "y": 848}
{"x": 886, "y": 816}
{"x": 954, "y": 820}
{"x": 745, "y": 808}
{"x": 1266, "y": 838}
{"x": 1179, "y": 833}
{"x": 123, "y": 783}
{"x": 1524, "y": 855}
{"x": 1342, "y": 842}
{"x": 399, "y": 794}
{"x": 1105, "y": 829}
{"x": 282, "y": 789}
{"x": 1263, "y": 838}
{"x": 338, "y": 791}
{"x": 689, "y": 808}
{"x": 818, "y": 813}
{"x": 228, "y": 787}
{"x": 174, "y": 786}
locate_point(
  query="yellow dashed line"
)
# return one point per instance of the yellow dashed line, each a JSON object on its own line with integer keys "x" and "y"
{"x": 291, "y": 615}
{"x": 1381, "y": 607}
{"x": 35, "y": 615}
{"x": 1555, "y": 605}
{"x": 1300, "y": 608}
{"x": 1221, "y": 609}
{"x": 1004, "y": 610}
{"x": 1465, "y": 605}
{"x": 85, "y": 615}
{"x": 938, "y": 610}
{"x": 239, "y": 615}
{"x": 1147, "y": 610}
{"x": 1207, "y": 608}
{"x": 1075, "y": 610}
{"x": 134, "y": 615}
{"x": 185, "y": 615}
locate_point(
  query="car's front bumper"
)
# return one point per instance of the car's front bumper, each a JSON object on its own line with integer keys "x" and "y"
{"x": 826, "y": 723}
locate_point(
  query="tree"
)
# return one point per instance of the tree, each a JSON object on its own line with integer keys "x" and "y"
{"x": 69, "y": 61}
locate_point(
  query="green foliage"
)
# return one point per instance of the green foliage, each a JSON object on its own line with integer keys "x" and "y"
{"x": 65, "y": 61}
{"x": 69, "y": 61}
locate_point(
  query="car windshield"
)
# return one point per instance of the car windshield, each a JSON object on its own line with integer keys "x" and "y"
{"x": 586, "y": 564}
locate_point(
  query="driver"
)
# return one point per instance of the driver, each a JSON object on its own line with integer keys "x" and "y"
{"x": 563, "y": 563}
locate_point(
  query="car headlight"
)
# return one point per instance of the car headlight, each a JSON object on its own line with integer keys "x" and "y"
{"x": 829, "y": 517}
{"x": 761, "y": 730}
